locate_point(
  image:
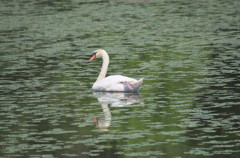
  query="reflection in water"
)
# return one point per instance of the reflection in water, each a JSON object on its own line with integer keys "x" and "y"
{"x": 187, "y": 50}
{"x": 114, "y": 100}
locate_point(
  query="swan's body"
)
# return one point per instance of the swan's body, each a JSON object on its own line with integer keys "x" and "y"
{"x": 114, "y": 83}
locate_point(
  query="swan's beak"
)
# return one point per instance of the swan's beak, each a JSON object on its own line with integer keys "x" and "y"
{"x": 93, "y": 57}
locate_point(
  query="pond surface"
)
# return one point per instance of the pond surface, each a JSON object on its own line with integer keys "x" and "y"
{"x": 188, "y": 53}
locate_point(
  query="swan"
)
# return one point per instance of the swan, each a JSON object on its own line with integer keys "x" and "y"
{"x": 114, "y": 83}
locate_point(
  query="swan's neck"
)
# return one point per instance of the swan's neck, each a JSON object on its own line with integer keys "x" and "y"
{"x": 104, "y": 69}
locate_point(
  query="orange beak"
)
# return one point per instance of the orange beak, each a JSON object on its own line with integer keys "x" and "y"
{"x": 94, "y": 119}
{"x": 92, "y": 58}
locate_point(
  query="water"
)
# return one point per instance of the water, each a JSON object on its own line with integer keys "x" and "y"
{"x": 187, "y": 51}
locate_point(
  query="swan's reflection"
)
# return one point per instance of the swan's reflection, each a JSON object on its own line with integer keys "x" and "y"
{"x": 107, "y": 99}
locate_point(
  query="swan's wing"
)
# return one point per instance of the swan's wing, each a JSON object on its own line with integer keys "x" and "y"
{"x": 120, "y": 78}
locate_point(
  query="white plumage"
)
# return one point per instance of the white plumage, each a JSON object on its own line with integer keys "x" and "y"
{"x": 114, "y": 83}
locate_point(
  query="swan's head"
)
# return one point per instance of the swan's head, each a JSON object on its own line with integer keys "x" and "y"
{"x": 98, "y": 54}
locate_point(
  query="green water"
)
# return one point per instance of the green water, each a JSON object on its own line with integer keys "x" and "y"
{"x": 187, "y": 51}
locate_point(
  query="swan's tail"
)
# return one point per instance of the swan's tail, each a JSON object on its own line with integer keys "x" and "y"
{"x": 136, "y": 85}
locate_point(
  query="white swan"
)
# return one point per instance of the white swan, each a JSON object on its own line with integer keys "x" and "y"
{"x": 114, "y": 83}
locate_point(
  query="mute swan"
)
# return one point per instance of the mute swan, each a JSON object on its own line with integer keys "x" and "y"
{"x": 114, "y": 83}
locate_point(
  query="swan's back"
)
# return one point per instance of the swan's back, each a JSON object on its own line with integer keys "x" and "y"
{"x": 118, "y": 83}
